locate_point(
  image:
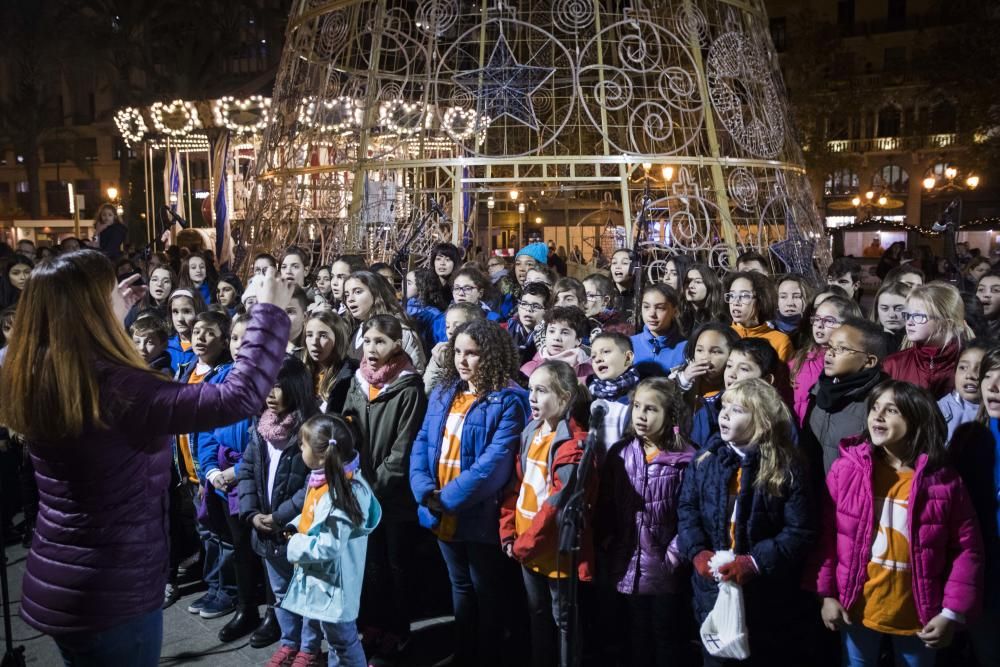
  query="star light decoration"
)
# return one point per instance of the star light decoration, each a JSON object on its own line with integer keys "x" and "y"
{"x": 503, "y": 87}
{"x": 796, "y": 252}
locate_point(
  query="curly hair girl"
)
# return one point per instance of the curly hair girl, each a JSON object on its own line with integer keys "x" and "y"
{"x": 496, "y": 369}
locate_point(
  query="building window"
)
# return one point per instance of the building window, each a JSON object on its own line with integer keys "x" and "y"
{"x": 944, "y": 119}
{"x": 56, "y": 197}
{"x": 845, "y": 13}
{"x": 841, "y": 182}
{"x": 894, "y": 59}
{"x": 893, "y": 177}
{"x": 22, "y": 195}
{"x": 778, "y": 33}
{"x": 897, "y": 15}
{"x": 5, "y": 200}
{"x": 120, "y": 148}
{"x": 92, "y": 195}
{"x": 890, "y": 122}
{"x": 86, "y": 149}
{"x": 54, "y": 152}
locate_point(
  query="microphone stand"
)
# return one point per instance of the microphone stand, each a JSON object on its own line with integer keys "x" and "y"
{"x": 638, "y": 278}
{"x": 571, "y": 522}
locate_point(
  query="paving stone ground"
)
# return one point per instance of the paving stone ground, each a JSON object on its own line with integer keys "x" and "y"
{"x": 189, "y": 639}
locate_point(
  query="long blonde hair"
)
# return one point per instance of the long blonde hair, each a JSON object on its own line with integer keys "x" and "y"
{"x": 947, "y": 310}
{"x": 64, "y": 323}
{"x": 772, "y": 432}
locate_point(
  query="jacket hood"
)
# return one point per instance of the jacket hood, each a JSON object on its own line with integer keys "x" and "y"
{"x": 374, "y": 515}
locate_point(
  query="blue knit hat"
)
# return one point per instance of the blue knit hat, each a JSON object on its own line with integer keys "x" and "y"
{"x": 537, "y": 251}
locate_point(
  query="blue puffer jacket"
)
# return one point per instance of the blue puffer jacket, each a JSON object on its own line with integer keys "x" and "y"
{"x": 427, "y": 320}
{"x": 215, "y": 376}
{"x": 178, "y": 355}
{"x": 777, "y": 531}
{"x": 667, "y": 352}
{"x": 490, "y": 441}
{"x": 705, "y": 421}
{"x": 233, "y": 441}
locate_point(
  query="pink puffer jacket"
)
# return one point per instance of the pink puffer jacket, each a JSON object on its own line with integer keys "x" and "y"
{"x": 946, "y": 549}
{"x": 804, "y": 379}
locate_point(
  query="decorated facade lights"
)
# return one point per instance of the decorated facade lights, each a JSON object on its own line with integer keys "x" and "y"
{"x": 175, "y": 119}
{"x": 131, "y": 125}
{"x": 226, "y": 111}
{"x": 462, "y": 124}
{"x": 338, "y": 115}
{"x": 403, "y": 118}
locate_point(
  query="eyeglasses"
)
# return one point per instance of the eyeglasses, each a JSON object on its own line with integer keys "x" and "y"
{"x": 739, "y": 297}
{"x": 825, "y": 322}
{"x": 840, "y": 350}
{"x": 594, "y": 297}
{"x": 464, "y": 289}
{"x": 532, "y": 307}
{"x": 918, "y": 318}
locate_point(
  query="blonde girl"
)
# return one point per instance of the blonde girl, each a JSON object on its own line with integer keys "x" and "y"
{"x": 749, "y": 493}
{"x": 935, "y": 332}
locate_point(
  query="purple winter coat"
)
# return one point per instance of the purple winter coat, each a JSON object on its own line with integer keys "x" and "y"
{"x": 946, "y": 549}
{"x": 637, "y": 517}
{"x": 100, "y": 554}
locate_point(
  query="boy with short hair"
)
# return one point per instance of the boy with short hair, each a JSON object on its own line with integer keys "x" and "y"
{"x": 613, "y": 380}
{"x": 565, "y": 329}
{"x": 845, "y": 273}
{"x": 212, "y": 364}
{"x": 962, "y": 404}
{"x": 749, "y": 358}
{"x": 752, "y": 260}
{"x": 150, "y": 334}
{"x": 534, "y": 300}
{"x": 837, "y": 402}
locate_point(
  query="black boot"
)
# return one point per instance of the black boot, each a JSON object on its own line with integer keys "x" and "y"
{"x": 243, "y": 622}
{"x": 267, "y": 632}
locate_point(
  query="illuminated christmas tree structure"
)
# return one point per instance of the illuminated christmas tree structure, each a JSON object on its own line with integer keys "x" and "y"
{"x": 394, "y": 122}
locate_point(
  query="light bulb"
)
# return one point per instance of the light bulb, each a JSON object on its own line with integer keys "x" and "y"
{"x": 856, "y": 201}
{"x": 972, "y": 182}
{"x": 668, "y": 173}
{"x": 514, "y": 194}
{"x": 929, "y": 183}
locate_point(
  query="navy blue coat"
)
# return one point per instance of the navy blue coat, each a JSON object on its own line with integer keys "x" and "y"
{"x": 777, "y": 531}
{"x": 490, "y": 441}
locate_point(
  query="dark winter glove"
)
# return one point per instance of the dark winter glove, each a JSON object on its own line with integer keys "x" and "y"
{"x": 701, "y": 563}
{"x": 741, "y": 570}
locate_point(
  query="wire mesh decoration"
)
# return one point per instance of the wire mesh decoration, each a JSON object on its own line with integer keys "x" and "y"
{"x": 393, "y": 121}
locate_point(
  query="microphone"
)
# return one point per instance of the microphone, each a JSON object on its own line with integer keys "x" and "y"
{"x": 598, "y": 410}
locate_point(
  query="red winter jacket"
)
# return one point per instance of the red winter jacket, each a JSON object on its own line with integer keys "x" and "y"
{"x": 543, "y": 535}
{"x": 946, "y": 549}
{"x": 930, "y": 367}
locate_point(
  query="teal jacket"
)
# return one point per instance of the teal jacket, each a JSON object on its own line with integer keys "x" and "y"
{"x": 329, "y": 560}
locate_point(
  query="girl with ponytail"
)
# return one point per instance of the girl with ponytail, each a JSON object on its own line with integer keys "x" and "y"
{"x": 328, "y": 542}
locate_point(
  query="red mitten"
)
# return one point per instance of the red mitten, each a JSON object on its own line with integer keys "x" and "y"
{"x": 741, "y": 570}
{"x": 701, "y": 563}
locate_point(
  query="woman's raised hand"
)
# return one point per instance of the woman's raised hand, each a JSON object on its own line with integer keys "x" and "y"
{"x": 272, "y": 289}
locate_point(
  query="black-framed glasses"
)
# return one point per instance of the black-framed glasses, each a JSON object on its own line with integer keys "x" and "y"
{"x": 917, "y": 318}
{"x": 532, "y": 307}
{"x": 464, "y": 289}
{"x": 739, "y": 297}
{"x": 825, "y": 322}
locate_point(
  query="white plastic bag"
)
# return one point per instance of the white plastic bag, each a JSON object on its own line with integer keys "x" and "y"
{"x": 724, "y": 632}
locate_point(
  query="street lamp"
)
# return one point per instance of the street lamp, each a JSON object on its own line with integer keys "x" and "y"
{"x": 112, "y": 193}
{"x": 521, "y": 208}
{"x": 668, "y": 174}
{"x": 514, "y": 194}
{"x": 930, "y": 182}
{"x": 972, "y": 182}
{"x": 491, "y": 204}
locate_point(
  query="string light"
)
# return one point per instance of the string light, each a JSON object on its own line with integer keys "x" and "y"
{"x": 462, "y": 124}
{"x": 258, "y": 105}
{"x": 187, "y": 111}
{"x": 339, "y": 115}
{"x": 131, "y": 125}
{"x": 402, "y": 117}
